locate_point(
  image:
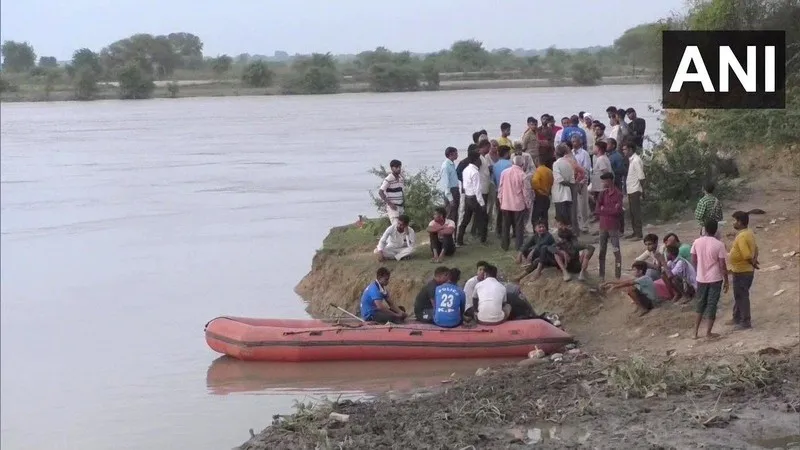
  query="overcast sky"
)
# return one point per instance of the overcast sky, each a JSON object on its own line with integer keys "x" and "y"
{"x": 58, "y": 27}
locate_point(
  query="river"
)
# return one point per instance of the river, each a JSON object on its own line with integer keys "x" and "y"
{"x": 127, "y": 225}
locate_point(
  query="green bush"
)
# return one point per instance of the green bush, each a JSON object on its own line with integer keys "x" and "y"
{"x": 134, "y": 83}
{"x": 389, "y": 77}
{"x": 257, "y": 74}
{"x": 675, "y": 176}
{"x": 422, "y": 195}
{"x": 586, "y": 73}
{"x": 85, "y": 84}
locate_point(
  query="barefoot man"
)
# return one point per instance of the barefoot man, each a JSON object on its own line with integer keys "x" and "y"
{"x": 708, "y": 256}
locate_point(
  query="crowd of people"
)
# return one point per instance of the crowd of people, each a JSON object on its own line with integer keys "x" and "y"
{"x": 584, "y": 169}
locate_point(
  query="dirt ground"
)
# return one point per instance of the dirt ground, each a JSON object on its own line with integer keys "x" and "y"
{"x": 741, "y": 391}
{"x": 589, "y": 402}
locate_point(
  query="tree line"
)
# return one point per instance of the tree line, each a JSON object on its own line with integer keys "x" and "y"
{"x": 137, "y": 61}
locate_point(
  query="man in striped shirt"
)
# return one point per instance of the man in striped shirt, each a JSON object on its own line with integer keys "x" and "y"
{"x": 391, "y": 191}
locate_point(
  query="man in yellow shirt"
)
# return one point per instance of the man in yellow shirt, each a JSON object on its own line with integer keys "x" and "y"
{"x": 743, "y": 263}
{"x": 542, "y": 184}
{"x": 505, "y": 132}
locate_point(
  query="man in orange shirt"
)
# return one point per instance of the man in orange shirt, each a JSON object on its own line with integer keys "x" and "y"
{"x": 542, "y": 183}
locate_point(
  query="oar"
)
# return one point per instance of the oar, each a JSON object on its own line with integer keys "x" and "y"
{"x": 348, "y": 313}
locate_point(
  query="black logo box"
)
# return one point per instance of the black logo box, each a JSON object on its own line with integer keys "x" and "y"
{"x": 692, "y": 95}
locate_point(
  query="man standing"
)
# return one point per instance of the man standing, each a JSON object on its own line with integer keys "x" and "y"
{"x": 398, "y": 241}
{"x": 573, "y": 129}
{"x": 708, "y": 257}
{"x": 440, "y": 232}
{"x": 488, "y": 190}
{"x": 391, "y": 190}
{"x": 527, "y": 159}
{"x": 582, "y": 157}
{"x": 542, "y": 183}
{"x": 587, "y": 125}
{"x": 514, "y": 201}
{"x": 497, "y": 169}
{"x": 609, "y": 209}
{"x": 708, "y": 207}
{"x": 559, "y": 138}
{"x": 636, "y": 128}
{"x": 474, "y": 204}
{"x": 530, "y": 140}
{"x": 744, "y": 261}
{"x": 448, "y": 180}
{"x": 505, "y": 132}
{"x": 635, "y": 182}
{"x": 563, "y": 180}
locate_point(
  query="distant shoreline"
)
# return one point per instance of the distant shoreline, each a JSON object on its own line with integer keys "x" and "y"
{"x": 234, "y": 88}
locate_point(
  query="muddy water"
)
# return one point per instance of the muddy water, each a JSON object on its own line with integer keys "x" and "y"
{"x": 127, "y": 225}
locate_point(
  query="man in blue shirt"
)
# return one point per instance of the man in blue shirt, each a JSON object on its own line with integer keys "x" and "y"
{"x": 572, "y": 129}
{"x": 450, "y": 301}
{"x": 448, "y": 184}
{"x": 375, "y": 304}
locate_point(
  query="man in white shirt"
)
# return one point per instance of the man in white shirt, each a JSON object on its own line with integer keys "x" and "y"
{"x": 490, "y": 299}
{"x": 391, "y": 191}
{"x": 635, "y": 184}
{"x": 397, "y": 242}
{"x": 563, "y": 179}
{"x": 582, "y": 157}
{"x": 469, "y": 286}
{"x": 474, "y": 204}
{"x": 487, "y": 188}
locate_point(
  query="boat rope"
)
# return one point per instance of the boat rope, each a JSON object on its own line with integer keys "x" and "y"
{"x": 389, "y": 328}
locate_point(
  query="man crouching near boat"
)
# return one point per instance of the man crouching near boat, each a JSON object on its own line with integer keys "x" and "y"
{"x": 375, "y": 303}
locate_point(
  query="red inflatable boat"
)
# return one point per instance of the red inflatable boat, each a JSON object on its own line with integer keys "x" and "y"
{"x": 316, "y": 340}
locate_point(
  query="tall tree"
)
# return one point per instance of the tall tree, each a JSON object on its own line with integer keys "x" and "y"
{"x": 48, "y": 62}
{"x": 470, "y": 55}
{"x": 18, "y": 56}
{"x": 189, "y": 49}
{"x": 221, "y": 64}
{"x": 85, "y": 59}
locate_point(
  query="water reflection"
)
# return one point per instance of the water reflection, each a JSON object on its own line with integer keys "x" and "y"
{"x": 227, "y": 375}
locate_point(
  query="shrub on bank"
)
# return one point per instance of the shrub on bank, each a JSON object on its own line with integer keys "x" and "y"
{"x": 675, "y": 176}
{"x": 134, "y": 83}
{"x": 422, "y": 195}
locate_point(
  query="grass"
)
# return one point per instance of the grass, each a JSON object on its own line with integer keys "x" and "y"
{"x": 639, "y": 378}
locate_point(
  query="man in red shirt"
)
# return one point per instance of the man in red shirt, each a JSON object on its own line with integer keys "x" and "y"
{"x": 609, "y": 210}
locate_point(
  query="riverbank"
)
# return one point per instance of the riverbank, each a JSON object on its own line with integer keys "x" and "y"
{"x": 587, "y": 399}
{"x": 233, "y": 88}
{"x": 597, "y": 401}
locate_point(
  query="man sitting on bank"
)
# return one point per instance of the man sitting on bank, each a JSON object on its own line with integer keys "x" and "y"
{"x": 397, "y": 242}
{"x": 489, "y": 302}
{"x": 441, "y": 230}
{"x": 425, "y": 301}
{"x": 450, "y": 301}
{"x": 375, "y": 303}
